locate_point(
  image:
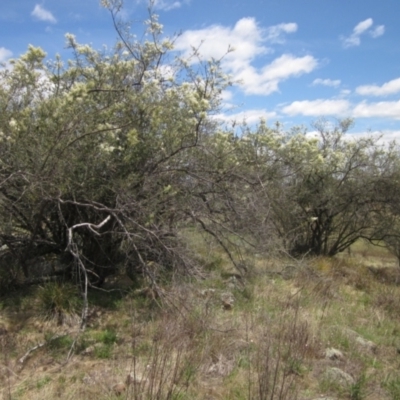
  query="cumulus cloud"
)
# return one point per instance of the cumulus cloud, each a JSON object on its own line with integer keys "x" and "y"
{"x": 383, "y": 109}
{"x": 249, "y": 116}
{"x": 246, "y": 38}
{"x": 386, "y": 89}
{"x": 317, "y": 108}
{"x": 327, "y": 82}
{"x": 266, "y": 80}
{"x": 361, "y": 28}
{"x": 249, "y": 42}
{"x": 4, "y": 54}
{"x": 342, "y": 107}
{"x": 42, "y": 14}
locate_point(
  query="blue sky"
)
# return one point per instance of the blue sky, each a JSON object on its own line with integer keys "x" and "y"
{"x": 297, "y": 60}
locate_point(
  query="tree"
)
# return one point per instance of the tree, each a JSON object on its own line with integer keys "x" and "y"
{"x": 324, "y": 192}
{"x": 102, "y": 159}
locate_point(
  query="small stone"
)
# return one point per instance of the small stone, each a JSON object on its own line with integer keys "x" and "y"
{"x": 90, "y": 350}
{"x": 207, "y": 292}
{"x": 334, "y": 354}
{"x": 119, "y": 388}
{"x": 227, "y": 300}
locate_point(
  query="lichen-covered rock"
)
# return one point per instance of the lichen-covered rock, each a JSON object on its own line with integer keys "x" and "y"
{"x": 368, "y": 344}
{"x": 339, "y": 377}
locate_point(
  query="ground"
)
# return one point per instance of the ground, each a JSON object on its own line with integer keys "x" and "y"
{"x": 316, "y": 328}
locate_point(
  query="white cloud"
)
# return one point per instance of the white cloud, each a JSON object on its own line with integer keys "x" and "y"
{"x": 378, "y": 31}
{"x": 351, "y": 41}
{"x": 387, "y": 135}
{"x": 361, "y": 28}
{"x": 384, "y": 137}
{"x": 167, "y": 5}
{"x": 288, "y": 65}
{"x": 249, "y": 116}
{"x": 327, "y": 82}
{"x": 249, "y": 42}
{"x": 386, "y": 89}
{"x": 383, "y": 109}
{"x": 342, "y": 107}
{"x": 4, "y": 54}
{"x": 214, "y": 41}
{"x": 267, "y": 79}
{"x": 42, "y": 14}
{"x": 317, "y": 108}
{"x": 226, "y": 95}
{"x": 274, "y": 33}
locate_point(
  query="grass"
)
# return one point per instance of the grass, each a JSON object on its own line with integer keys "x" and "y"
{"x": 269, "y": 344}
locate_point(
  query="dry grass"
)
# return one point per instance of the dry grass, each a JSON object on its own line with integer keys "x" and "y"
{"x": 262, "y": 337}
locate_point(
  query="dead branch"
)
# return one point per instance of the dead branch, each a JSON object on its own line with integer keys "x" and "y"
{"x": 73, "y": 249}
{"x": 38, "y": 346}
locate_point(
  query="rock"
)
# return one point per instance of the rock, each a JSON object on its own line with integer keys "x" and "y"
{"x": 366, "y": 343}
{"x": 207, "y": 293}
{"x": 90, "y": 350}
{"x": 220, "y": 367}
{"x": 119, "y": 388}
{"x": 324, "y": 398}
{"x": 227, "y": 300}
{"x": 289, "y": 272}
{"x": 340, "y": 377}
{"x": 333, "y": 354}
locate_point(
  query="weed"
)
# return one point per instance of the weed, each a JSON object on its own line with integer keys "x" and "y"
{"x": 107, "y": 337}
{"x": 103, "y": 351}
{"x": 278, "y": 361}
{"x": 357, "y": 389}
{"x": 58, "y": 300}
{"x": 392, "y": 386}
{"x": 388, "y": 299}
{"x": 43, "y": 382}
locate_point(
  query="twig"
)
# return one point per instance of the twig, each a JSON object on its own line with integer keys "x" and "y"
{"x": 38, "y": 346}
{"x": 27, "y": 354}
